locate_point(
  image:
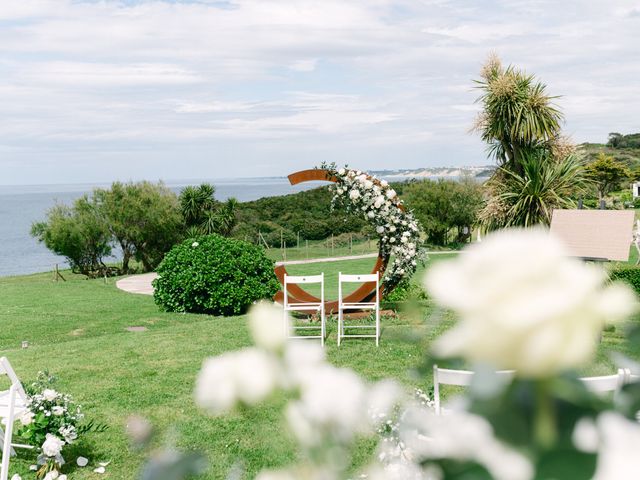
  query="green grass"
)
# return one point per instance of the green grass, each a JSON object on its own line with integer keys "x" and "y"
{"x": 321, "y": 249}
{"x": 76, "y": 329}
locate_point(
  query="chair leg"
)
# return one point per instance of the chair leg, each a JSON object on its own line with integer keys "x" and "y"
{"x": 339, "y": 325}
{"x": 322, "y": 326}
{"x": 6, "y": 447}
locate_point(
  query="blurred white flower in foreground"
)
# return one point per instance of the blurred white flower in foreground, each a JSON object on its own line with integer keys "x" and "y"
{"x": 331, "y": 403}
{"x": 461, "y": 436}
{"x": 247, "y": 376}
{"x": 267, "y": 325}
{"x": 524, "y": 304}
{"x": 618, "y": 455}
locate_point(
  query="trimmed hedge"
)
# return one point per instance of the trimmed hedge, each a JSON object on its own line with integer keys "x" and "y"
{"x": 630, "y": 275}
{"x": 214, "y": 275}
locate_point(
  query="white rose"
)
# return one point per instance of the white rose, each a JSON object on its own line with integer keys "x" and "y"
{"x": 392, "y": 239}
{"x": 52, "y": 446}
{"x": 27, "y": 418}
{"x": 379, "y": 201}
{"x": 57, "y": 410}
{"x": 49, "y": 394}
{"x": 392, "y": 228}
{"x": 524, "y": 304}
{"x": 247, "y": 376}
{"x": 268, "y": 325}
{"x": 384, "y": 183}
{"x": 371, "y": 214}
{"x": 368, "y": 184}
{"x": 380, "y": 229}
{"x": 341, "y": 172}
{"x": 354, "y": 194}
{"x": 52, "y": 475}
{"x": 195, "y": 244}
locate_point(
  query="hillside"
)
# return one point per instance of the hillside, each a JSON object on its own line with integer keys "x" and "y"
{"x": 625, "y": 148}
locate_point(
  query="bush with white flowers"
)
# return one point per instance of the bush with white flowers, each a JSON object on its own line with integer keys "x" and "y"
{"x": 397, "y": 228}
{"x": 52, "y": 421}
{"x": 532, "y": 307}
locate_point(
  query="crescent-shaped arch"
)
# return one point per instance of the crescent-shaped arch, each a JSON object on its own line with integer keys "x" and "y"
{"x": 297, "y": 294}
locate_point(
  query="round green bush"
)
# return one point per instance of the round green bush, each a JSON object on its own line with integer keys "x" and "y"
{"x": 215, "y": 275}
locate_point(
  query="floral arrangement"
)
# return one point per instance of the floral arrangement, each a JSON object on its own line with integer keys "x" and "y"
{"x": 523, "y": 304}
{"x": 52, "y": 421}
{"x": 397, "y": 228}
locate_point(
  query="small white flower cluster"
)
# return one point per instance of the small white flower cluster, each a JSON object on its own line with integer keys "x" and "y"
{"x": 397, "y": 228}
{"x": 60, "y": 411}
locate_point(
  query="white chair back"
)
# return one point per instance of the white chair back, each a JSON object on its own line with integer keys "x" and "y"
{"x": 303, "y": 279}
{"x": 459, "y": 378}
{"x": 7, "y": 369}
{"x": 370, "y": 277}
{"x": 12, "y": 401}
{"x": 606, "y": 383}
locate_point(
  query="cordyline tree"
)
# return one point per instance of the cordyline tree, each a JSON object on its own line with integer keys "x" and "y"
{"x": 203, "y": 214}
{"x": 537, "y": 169}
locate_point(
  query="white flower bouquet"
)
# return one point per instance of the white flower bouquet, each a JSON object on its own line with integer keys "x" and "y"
{"x": 397, "y": 228}
{"x": 52, "y": 422}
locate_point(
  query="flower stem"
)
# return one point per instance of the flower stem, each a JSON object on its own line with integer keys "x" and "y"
{"x": 545, "y": 416}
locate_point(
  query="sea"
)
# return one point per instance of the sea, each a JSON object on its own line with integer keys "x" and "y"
{"x": 21, "y": 206}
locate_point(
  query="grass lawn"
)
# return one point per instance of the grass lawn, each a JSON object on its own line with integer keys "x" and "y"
{"x": 76, "y": 329}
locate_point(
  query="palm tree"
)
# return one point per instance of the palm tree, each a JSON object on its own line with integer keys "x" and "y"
{"x": 517, "y": 114}
{"x": 529, "y": 198}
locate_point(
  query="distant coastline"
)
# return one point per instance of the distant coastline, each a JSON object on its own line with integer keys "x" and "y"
{"x": 484, "y": 171}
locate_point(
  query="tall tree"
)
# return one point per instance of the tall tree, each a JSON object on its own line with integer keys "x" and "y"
{"x": 537, "y": 167}
{"x": 607, "y": 173}
{"x": 517, "y": 114}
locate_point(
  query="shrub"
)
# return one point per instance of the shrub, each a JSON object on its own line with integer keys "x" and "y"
{"x": 215, "y": 275}
{"x": 78, "y": 233}
{"x": 630, "y": 275}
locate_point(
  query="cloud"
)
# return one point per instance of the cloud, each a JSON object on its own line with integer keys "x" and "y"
{"x": 381, "y": 82}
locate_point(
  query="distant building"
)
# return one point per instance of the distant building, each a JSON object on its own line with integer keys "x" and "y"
{"x": 635, "y": 188}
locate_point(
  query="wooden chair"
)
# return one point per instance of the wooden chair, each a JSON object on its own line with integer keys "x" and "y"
{"x": 307, "y": 307}
{"x": 13, "y": 403}
{"x": 374, "y": 306}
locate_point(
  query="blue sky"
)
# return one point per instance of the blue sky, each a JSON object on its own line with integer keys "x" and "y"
{"x": 96, "y": 91}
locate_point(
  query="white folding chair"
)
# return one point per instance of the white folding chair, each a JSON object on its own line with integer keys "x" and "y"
{"x": 13, "y": 403}
{"x": 310, "y": 307}
{"x": 607, "y": 383}
{"x": 459, "y": 378}
{"x": 342, "y": 306}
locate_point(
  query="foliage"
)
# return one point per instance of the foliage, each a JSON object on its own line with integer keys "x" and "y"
{"x": 617, "y": 140}
{"x": 444, "y": 205}
{"x": 143, "y": 218}
{"x": 215, "y": 275}
{"x": 627, "y": 274}
{"x": 517, "y": 114}
{"x": 307, "y": 213}
{"x": 79, "y": 233}
{"x": 203, "y": 214}
{"x": 529, "y": 198}
{"x": 607, "y": 174}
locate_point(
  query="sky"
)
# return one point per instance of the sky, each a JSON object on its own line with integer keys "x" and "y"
{"x": 96, "y": 91}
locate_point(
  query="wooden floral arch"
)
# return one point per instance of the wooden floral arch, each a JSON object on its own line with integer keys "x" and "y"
{"x": 297, "y": 294}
